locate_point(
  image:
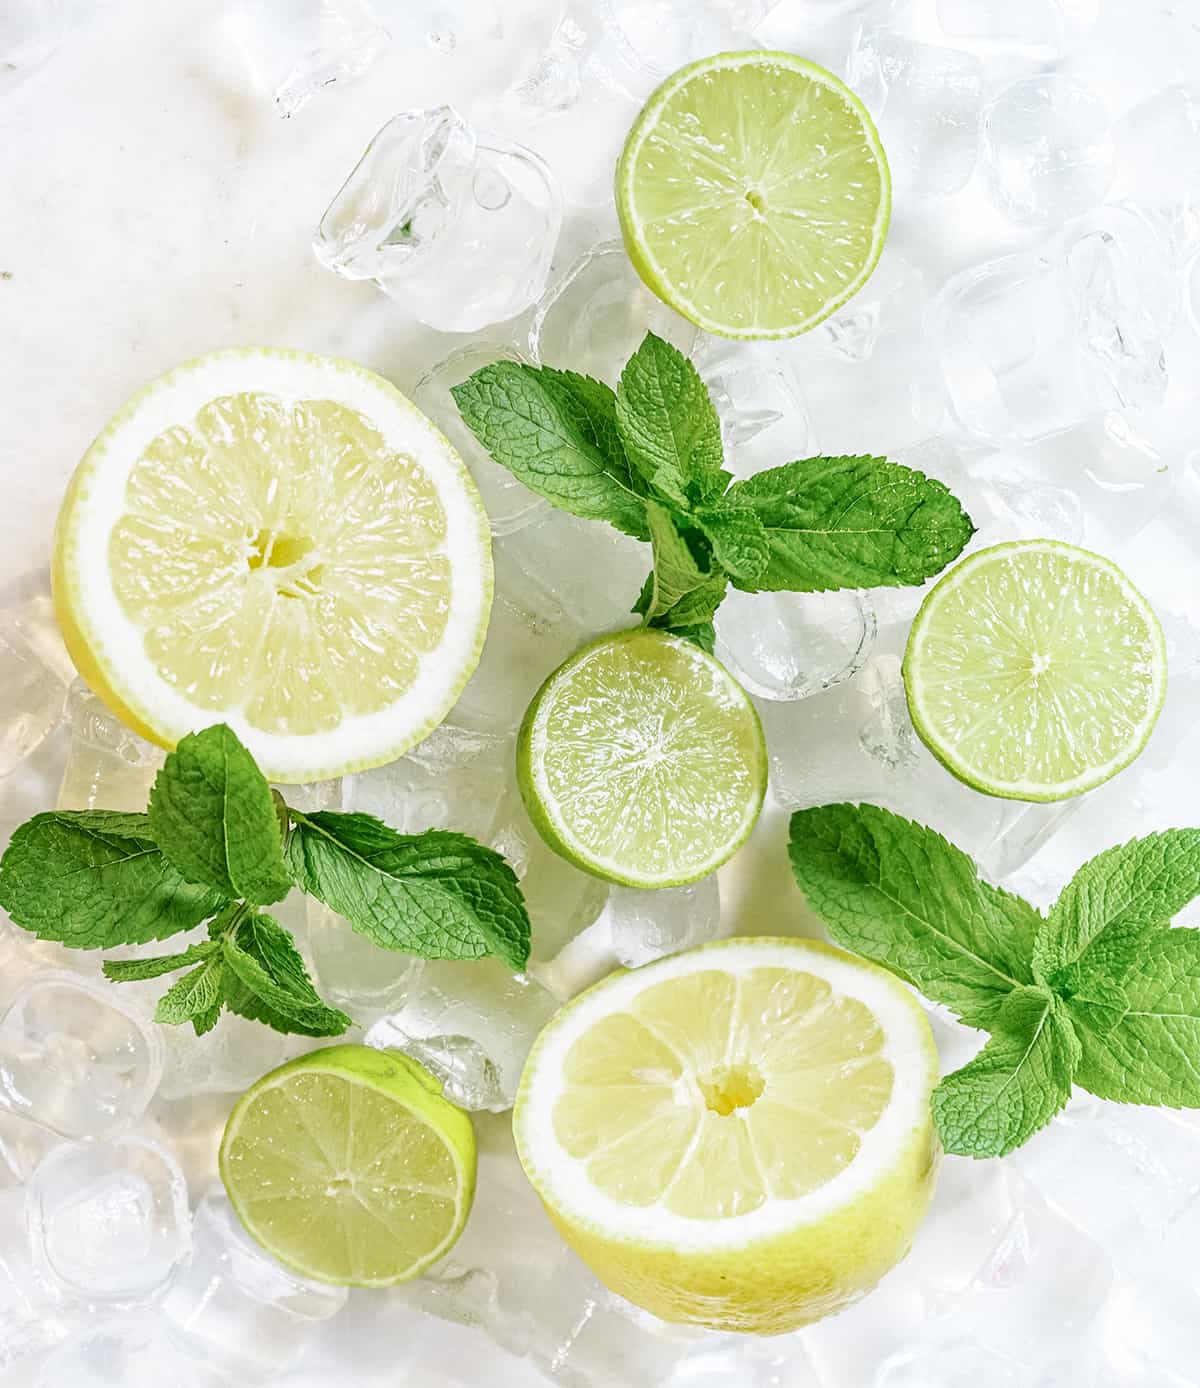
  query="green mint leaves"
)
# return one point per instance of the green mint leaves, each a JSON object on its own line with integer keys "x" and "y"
{"x": 215, "y": 846}
{"x": 1102, "y": 991}
{"x": 649, "y": 460}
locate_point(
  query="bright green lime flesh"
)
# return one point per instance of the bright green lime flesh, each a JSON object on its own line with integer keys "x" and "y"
{"x": 753, "y": 193}
{"x": 349, "y": 1166}
{"x": 1035, "y": 670}
{"x": 642, "y": 760}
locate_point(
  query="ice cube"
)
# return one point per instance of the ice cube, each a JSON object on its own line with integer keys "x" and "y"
{"x": 791, "y": 645}
{"x": 1047, "y": 149}
{"x": 30, "y": 31}
{"x": 894, "y": 295}
{"x": 648, "y": 925}
{"x": 562, "y": 901}
{"x": 225, "y": 1060}
{"x": 510, "y": 504}
{"x": 108, "y": 767}
{"x": 354, "y": 973}
{"x": 34, "y": 673}
{"x": 595, "y": 317}
{"x": 1041, "y": 30}
{"x": 927, "y": 102}
{"x": 758, "y": 396}
{"x": 950, "y": 1363}
{"x": 109, "y": 1220}
{"x": 444, "y": 25}
{"x": 130, "y": 1351}
{"x": 75, "y": 1058}
{"x": 293, "y": 48}
{"x": 482, "y": 1001}
{"x": 467, "y": 1074}
{"x": 458, "y": 228}
{"x": 657, "y": 37}
{"x": 235, "y": 1307}
{"x": 34, "y": 1314}
{"x": 1167, "y": 121}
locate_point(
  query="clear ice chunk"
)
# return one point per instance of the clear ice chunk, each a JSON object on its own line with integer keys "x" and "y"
{"x": 35, "y": 671}
{"x": 352, "y": 972}
{"x": 129, "y": 1351}
{"x": 1039, "y": 30}
{"x": 894, "y": 295}
{"x": 458, "y": 228}
{"x": 646, "y": 925}
{"x": 1047, "y": 149}
{"x": 109, "y": 1220}
{"x": 235, "y": 1307}
{"x": 108, "y": 767}
{"x": 467, "y": 1074}
{"x": 757, "y": 394}
{"x": 594, "y": 318}
{"x": 483, "y": 1002}
{"x": 793, "y": 645}
{"x": 30, "y": 31}
{"x": 657, "y": 37}
{"x": 510, "y": 504}
{"x": 75, "y": 1058}
{"x": 949, "y": 1363}
{"x": 927, "y": 102}
{"x": 293, "y": 48}
{"x": 226, "y": 1060}
{"x": 1168, "y": 120}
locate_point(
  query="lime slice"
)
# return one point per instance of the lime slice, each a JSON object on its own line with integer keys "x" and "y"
{"x": 739, "y": 1136}
{"x": 348, "y": 1165}
{"x": 1035, "y": 670}
{"x": 753, "y": 193}
{"x": 281, "y": 542}
{"x": 641, "y": 760}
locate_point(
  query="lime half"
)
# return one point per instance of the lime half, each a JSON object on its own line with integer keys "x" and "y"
{"x": 739, "y": 1136}
{"x": 753, "y": 193}
{"x": 283, "y": 543}
{"x": 641, "y": 759}
{"x": 348, "y": 1165}
{"x": 1035, "y": 670}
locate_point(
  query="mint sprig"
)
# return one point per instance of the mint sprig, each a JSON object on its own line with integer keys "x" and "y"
{"x": 216, "y": 845}
{"x": 648, "y": 459}
{"x": 1102, "y": 991}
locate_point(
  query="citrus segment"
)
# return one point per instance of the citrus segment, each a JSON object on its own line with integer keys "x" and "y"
{"x": 1035, "y": 670}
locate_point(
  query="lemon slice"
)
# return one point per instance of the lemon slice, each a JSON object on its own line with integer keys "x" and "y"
{"x": 349, "y": 1166}
{"x": 281, "y": 542}
{"x": 737, "y": 1137}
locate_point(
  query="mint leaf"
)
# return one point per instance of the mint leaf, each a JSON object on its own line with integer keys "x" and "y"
{"x": 738, "y": 539}
{"x": 857, "y": 522}
{"x": 134, "y": 970}
{"x": 438, "y": 894}
{"x": 92, "y": 879}
{"x": 212, "y": 814}
{"x": 669, "y": 426}
{"x": 205, "y": 1021}
{"x": 538, "y": 429}
{"x": 1016, "y": 1084}
{"x": 594, "y": 405}
{"x": 692, "y": 615}
{"x": 899, "y": 894}
{"x": 270, "y": 984}
{"x": 676, "y": 569}
{"x": 1144, "y": 882}
{"x": 195, "y": 994}
{"x": 1138, "y": 1017}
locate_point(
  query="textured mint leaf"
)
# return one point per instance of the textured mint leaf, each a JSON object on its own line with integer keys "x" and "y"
{"x": 204, "y": 1021}
{"x": 692, "y": 616}
{"x": 1147, "y": 881}
{"x": 267, "y": 982}
{"x": 676, "y": 570}
{"x": 212, "y": 814}
{"x": 537, "y": 428}
{"x": 1138, "y": 1017}
{"x": 194, "y": 995}
{"x": 134, "y": 970}
{"x": 856, "y": 522}
{"x": 92, "y": 879}
{"x": 438, "y": 894}
{"x": 738, "y": 540}
{"x": 594, "y": 405}
{"x": 1015, "y": 1085}
{"x": 900, "y": 894}
{"x": 669, "y": 426}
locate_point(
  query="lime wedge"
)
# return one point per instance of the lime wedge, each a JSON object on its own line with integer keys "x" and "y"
{"x": 739, "y": 1136}
{"x": 753, "y": 193}
{"x": 642, "y": 760}
{"x": 348, "y": 1165}
{"x": 281, "y": 542}
{"x": 1035, "y": 670}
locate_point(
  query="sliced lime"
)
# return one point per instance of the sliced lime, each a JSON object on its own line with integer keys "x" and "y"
{"x": 753, "y": 193}
{"x": 1035, "y": 670}
{"x": 641, "y": 760}
{"x": 348, "y": 1165}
